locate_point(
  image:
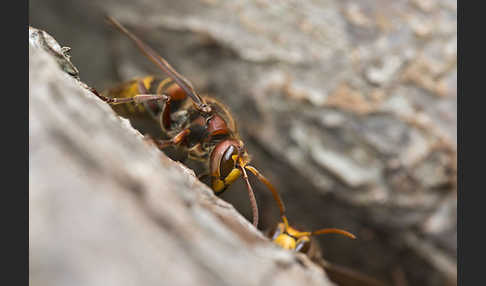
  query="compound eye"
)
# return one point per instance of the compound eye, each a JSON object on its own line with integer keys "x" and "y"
{"x": 227, "y": 163}
{"x": 276, "y": 231}
{"x": 303, "y": 245}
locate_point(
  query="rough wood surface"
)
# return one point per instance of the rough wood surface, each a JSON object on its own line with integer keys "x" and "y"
{"x": 349, "y": 107}
{"x": 106, "y": 208}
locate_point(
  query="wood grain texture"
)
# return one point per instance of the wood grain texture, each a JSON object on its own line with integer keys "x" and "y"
{"x": 347, "y": 106}
{"x": 106, "y": 208}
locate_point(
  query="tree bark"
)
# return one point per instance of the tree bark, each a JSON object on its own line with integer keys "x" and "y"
{"x": 106, "y": 208}
{"x": 349, "y": 107}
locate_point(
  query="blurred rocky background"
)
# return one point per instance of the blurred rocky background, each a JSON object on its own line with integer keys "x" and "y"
{"x": 348, "y": 107}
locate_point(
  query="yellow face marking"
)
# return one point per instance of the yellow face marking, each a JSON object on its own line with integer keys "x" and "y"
{"x": 218, "y": 185}
{"x": 303, "y": 239}
{"x": 232, "y": 176}
{"x": 293, "y": 232}
{"x": 285, "y": 241}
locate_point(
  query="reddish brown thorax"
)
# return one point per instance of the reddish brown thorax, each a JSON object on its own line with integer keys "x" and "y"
{"x": 217, "y": 126}
{"x": 175, "y": 92}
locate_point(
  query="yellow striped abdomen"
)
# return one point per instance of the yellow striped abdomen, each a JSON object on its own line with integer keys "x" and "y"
{"x": 127, "y": 90}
